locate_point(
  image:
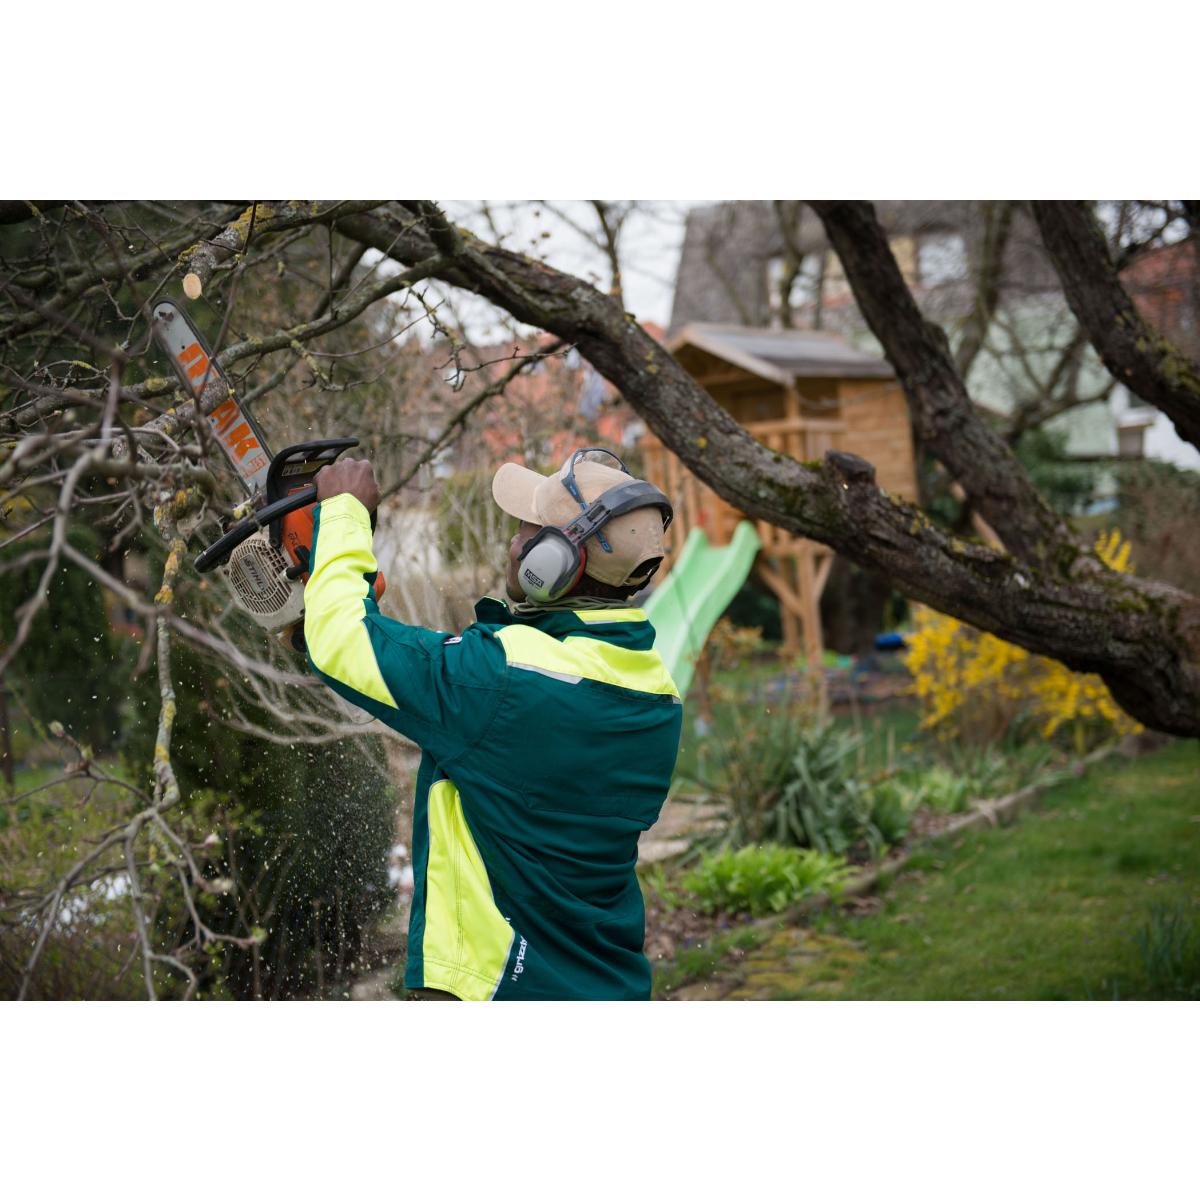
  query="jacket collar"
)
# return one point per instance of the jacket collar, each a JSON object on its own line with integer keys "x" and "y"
{"x": 628, "y": 627}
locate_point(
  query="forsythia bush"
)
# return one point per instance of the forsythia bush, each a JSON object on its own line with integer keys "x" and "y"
{"x": 973, "y": 686}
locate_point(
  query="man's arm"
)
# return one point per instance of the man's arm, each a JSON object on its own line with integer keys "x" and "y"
{"x": 437, "y": 692}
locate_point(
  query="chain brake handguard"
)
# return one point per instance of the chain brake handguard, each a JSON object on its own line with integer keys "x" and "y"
{"x": 286, "y": 515}
{"x": 294, "y": 468}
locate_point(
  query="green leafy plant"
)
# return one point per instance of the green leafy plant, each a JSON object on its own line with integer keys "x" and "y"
{"x": 892, "y": 806}
{"x": 788, "y": 780}
{"x": 945, "y": 790}
{"x": 764, "y": 879}
{"x": 823, "y": 804}
{"x": 90, "y": 945}
{"x": 73, "y": 668}
{"x": 749, "y": 764}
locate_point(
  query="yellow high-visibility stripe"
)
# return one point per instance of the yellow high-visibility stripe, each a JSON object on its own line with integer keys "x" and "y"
{"x": 337, "y": 638}
{"x": 587, "y": 658}
{"x": 609, "y": 615}
{"x": 467, "y": 940}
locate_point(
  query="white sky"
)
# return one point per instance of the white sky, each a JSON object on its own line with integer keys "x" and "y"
{"x": 649, "y": 247}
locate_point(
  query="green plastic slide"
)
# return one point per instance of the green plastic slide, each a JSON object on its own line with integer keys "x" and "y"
{"x": 690, "y": 601}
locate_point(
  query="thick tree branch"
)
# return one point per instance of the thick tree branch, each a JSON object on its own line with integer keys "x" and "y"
{"x": 1132, "y": 349}
{"x": 1143, "y": 637}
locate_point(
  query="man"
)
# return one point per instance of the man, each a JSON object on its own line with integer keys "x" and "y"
{"x": 549, "y": 731}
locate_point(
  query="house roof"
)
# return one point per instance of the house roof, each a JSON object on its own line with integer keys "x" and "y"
{"x": 781, "y": 354}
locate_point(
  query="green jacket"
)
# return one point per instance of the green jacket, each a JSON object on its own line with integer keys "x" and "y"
{"x": 548, "y": 744}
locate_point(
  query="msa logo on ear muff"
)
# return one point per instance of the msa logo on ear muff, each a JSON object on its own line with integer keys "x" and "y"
{"x": 553, "y": 561}
{"x": 550, "y": 565}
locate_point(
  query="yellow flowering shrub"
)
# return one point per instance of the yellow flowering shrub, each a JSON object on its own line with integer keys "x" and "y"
{"x": 974, "y": 687}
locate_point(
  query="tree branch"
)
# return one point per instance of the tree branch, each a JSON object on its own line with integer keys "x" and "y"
{"x": 997, "y": 224}
{"x": 1143, "y": 637}
{"x": 1131, "y": 348}
{"x": 945, "y": 418}
{"x": 262, "y": 217}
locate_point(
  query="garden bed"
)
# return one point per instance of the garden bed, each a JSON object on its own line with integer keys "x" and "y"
{"x": 1005, "y": 881}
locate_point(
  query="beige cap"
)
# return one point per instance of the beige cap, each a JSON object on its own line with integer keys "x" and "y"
{"x": 544, "y": 500}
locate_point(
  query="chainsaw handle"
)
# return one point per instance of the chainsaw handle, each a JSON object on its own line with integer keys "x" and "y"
{"x": 216, "y": 554}
{"x": 223, "y": 547}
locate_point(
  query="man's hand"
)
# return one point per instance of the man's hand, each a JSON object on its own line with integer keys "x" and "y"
{"x": 350, "y": 475}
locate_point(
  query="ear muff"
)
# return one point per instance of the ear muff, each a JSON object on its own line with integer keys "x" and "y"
{"x": 553, "y": 561}
{"x": 550, "y": 566}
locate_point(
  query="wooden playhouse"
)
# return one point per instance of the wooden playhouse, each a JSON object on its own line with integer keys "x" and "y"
{"x": 799, "y": 392}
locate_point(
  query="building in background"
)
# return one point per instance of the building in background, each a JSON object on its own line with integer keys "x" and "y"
{"x": 769, "y": 265}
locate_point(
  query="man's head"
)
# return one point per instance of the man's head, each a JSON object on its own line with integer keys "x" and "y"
{"x": 619, "y": 559}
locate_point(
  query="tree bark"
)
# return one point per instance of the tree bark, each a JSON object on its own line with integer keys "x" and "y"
{"x": 1131, "y": 348}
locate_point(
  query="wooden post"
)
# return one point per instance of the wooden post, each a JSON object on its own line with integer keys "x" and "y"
{"x": 793, "y": 438}
{"x": 776, "y": 573}
{"x": 814, "y": 647}
{"x": 792, "y": 627}
{"x": 679, "y": 528}
{"x": 791, "y": 402}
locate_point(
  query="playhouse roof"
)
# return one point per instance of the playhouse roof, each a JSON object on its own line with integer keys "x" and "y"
{"x": 782, "y": 354}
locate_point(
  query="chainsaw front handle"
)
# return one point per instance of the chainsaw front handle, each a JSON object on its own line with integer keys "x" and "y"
{"x": 216, "y": 554}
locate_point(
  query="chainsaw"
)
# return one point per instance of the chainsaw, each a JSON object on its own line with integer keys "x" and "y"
{"x": 267, "y": 556}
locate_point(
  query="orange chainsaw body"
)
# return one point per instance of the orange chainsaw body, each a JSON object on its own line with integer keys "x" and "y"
{"x": 297, "y": 540}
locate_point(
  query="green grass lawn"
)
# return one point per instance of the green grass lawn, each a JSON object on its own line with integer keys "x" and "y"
{"x": 1093, "y": 894}
{"x": 1048, "y": 908}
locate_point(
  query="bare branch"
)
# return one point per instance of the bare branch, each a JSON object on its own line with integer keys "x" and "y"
{"x": 997, "y": 224}
{"x": 269, "y": 217}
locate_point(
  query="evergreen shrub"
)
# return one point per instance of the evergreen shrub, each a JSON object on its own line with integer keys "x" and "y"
{"x": 71, "y": 668}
